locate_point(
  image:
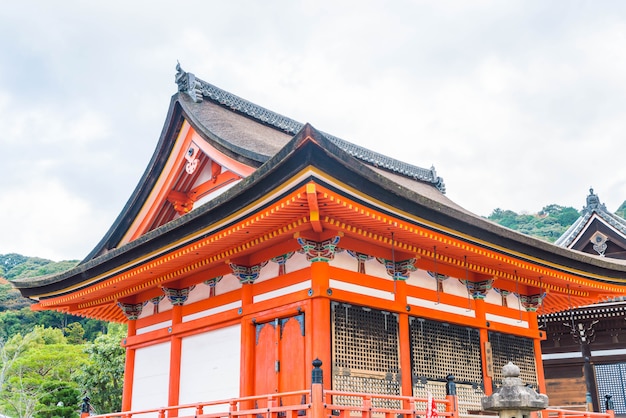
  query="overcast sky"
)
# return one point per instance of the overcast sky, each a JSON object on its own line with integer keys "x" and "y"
{"x": 517, "y": 104}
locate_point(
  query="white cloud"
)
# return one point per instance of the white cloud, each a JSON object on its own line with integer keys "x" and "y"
{"x": 44, "y": 219}
{"x": 518, "y": 104}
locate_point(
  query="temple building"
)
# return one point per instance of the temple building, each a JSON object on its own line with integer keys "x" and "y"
{"x": 583, "y": 355}
{"x": 254, "y": 244}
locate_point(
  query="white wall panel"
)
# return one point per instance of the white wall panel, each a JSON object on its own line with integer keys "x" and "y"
{"x": 209, "y": 368}
{"x": 151, "y": 378}
{"x": 154, "y": 327}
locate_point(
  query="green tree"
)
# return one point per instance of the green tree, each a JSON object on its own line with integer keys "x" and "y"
{"x": 548, "y": 224}
{"x": 621, "y": 211}
{"x": 42, "y": 364}
{"x": 60, "y": 399}
{"x": 101, "y": 378}
{"x": 74, "y": 333}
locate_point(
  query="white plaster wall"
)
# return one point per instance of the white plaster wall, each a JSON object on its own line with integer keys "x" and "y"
{"x": 493, "y": 297}
{"x": 512, "y": 301}
{"x": 200, "y": 292}
{"x": 151, "y": 378}
{"x": 297, "y": 261}
{"x": 421, "y": 278}
{"x": 268, "y": 272}
{"x": 375, "y": 268}
{"x": 209, "y": 368}
{"x": 344, "y": 260}
{"x": 228, "y": 283}
{"x": 453, "y": 286}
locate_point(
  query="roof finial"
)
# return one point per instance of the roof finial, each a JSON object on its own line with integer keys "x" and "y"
{"x": 187, "y": 83}
{"x": 593, "y": 202}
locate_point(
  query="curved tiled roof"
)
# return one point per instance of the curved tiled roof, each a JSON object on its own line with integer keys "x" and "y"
{"x": 198, "y": 89}
{"x": 593, "y": 207}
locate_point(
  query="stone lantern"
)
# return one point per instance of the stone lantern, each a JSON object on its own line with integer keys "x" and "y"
{"x": 514, "y": 399}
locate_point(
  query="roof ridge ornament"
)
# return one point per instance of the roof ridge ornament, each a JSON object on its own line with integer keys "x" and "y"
{"x": 593, "y": 202}
{"x": 188, "y": 83}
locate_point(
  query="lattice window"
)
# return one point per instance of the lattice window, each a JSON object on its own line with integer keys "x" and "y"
{"x": 365, "y": 352}
{"x": 439, "y": 348}
{"x": 518, "y": 350}
{"x": 611, "y": 379}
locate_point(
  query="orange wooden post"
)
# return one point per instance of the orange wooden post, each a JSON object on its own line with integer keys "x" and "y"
{"x": 246, "y": 384}
{"x": 318, "y": 341}
{"x": 271, "y": 407}
{"x": 367, "y": 406}
{"x": 483, "y": 335}
{"x": 129, "y": 369}
{"x": 317, "y": 390}
{"x": 404, "y": 335}
{"x": 175, "y": 355}
{"x": 541, "y": 379}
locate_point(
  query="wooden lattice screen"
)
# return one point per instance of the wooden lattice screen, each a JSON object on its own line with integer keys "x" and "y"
{"x": 519, "y": 350}
{"x": 365, "y": 350}
{"x": 439, "y": 349}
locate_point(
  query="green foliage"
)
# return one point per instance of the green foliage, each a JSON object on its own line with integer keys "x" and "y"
{"x": 549, "y": 224}
{"x": 60, "y": 400}
{"x": 74, "y": 333}
{"x": 39, "y": 372}
{"x": 11, "y": 299}
{"x": 102, "y": 376}
{"x": 621, "y": 211}
{"x": 33, "y": 267}
{"x": 8, "y": 261}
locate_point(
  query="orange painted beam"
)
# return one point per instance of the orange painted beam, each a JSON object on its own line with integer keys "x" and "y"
{"x": 217, "y": 182}
{"x": 314, "y": 209}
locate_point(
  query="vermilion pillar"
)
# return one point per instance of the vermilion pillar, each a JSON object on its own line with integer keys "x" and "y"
{"x": 404, "y": 339}
{"x": 175, "y": 355}
{"x": 319, "y": 339}
{"x": 129, "y": 369}
{"x": 479, "y": 308}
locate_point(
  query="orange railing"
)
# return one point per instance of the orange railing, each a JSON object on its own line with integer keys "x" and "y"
{"x": 568, "y": 413}
{"x": 318, "y": 403}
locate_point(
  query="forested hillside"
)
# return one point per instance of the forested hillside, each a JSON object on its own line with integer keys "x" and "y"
{"x": 548, "y": 224}
{"x": 50, "y": 360}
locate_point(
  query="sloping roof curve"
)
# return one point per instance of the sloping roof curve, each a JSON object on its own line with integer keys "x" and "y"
{"x": 361, "y": 200}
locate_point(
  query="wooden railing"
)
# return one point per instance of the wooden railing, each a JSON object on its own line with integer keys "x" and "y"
{"x": 318, "y": 403}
